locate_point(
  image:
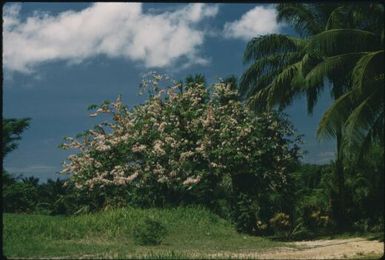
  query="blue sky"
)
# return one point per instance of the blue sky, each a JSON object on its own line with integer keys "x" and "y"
{"x": 58, "y": 58}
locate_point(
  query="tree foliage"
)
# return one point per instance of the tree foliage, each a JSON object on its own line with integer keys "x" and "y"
{"x": 186, "y": 141}
{"x": 182, "y": 137}
{"x": 343, "y": 44}
{"x": 12, "y": 129}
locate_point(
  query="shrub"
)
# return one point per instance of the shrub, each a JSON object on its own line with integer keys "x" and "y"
{"x": 313, "y": 185}
{"x": 261, "y": 227}
{"x": 280, "y": 223}
{"x": 181, "y": 144}
{"x": 20, "y": 197}
{"x": 244, "y": 214}
{"x": 150, "y": 232}
{"x": 182, "y": 137}
{"x": 301, "y": 232}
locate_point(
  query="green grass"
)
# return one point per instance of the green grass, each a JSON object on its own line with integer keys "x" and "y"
{"x": 192, "y": 232}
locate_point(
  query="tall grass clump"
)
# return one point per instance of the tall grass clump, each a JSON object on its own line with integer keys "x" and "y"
{"x": 149, "y": 232}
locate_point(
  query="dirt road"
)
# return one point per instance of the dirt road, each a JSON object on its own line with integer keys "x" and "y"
{"x": 318, "y": 249}
{"x": 352, "y": 248}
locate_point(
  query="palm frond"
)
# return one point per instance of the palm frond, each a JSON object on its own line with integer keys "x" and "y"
{"x": 368, "y": 73}
{"x": 331, "y": 66}
{"x": 309, "y": 61}
{"x": 266, "y": 45}
{"x": 374, "y": 135}
{"x": 334, "y": 117}
{"x": 258, "y": 101}
{"x": 343, "y": 41}
{"x": 299, "y": 16}
{"x": 249, "y": 78}
{"x": 261, "y": 84}
{"x": 367, "y": 17}
{"x": 362, "y": 118}
{"x": 335, "y": 68}
{"x": 337, "y": 18}
{"x": 282, "y": 84}
{"x": 312, "y": 95}
{"x": 272, "y": 64}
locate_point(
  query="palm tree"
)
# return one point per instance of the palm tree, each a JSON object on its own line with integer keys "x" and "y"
{"x": 357, "y": 48}
{"x": 284, "y": 67}
{"x": 350, "y": 53}
{"x": 274, "y": 77}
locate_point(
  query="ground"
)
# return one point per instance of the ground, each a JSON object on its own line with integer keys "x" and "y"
{"x": 319, "y": 249}
{"x": 350, "y": 248}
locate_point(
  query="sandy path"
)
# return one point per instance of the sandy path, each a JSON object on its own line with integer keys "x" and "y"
{"x": 318, "y": 249}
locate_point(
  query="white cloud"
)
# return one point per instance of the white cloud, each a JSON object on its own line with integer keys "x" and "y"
{"x": 111, "y": 29}
{"x": 258, "y": 21}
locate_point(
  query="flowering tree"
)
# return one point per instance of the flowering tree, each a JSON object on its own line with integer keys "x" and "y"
{"x": 184, "y": 137}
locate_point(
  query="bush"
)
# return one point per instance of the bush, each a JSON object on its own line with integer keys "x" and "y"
{"x": 313, "y": 185}
{"x": 179, "y": 146}
{"x": 244, "y": 214}
{"x": 280, "y": 222}
{"x": 300, "y": 232}
{"x": 150, "y": 232}
{"x": 19, "y": 197}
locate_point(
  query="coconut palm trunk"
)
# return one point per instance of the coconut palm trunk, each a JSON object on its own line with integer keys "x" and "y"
{"x": 338, "y": 207}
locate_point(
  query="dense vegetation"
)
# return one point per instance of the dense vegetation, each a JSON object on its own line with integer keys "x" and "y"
{"x": 339, "y": 46}
{"x": 236, "y": 156}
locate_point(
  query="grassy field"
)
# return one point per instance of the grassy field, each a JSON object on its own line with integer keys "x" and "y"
{"x": 192, "y": 232}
